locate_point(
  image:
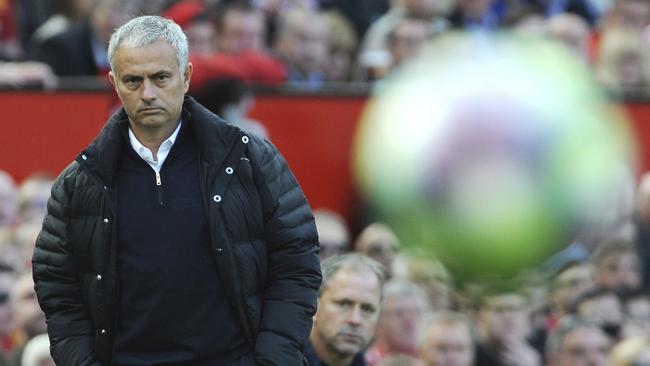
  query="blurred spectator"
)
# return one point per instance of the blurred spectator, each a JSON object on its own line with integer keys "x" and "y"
{"x": 405, "y": 40}
{"x": 571, "y": 31}
{"x": 604, "y": 307}
{"x": 240, "y": 27}
{"x": 380, "y": 243}
{"x": 568, "y": 284}
{"x": 32, "y": 197}
{"x": 577, "y": 342}
{"x": 473, "y": 15}
{"x": 302, "y": 42}
{"x": 403, "y": 311}
{"x": 24, "y": 240}
{"x": 623, "y": 62}
{"x": 617, "y": 266}
{"x": 503, "y": 323}
{"x": 228, "y": 99}
{"x": 374, "y": 53}
{"x": 7, "y": 339}
{"x": 37, "y": 352}
{"x": 30, "y": 320}
{"x": 448, "y": 340}
{"x": 349, "y": 302}
{"x": 343, "y": 43}
{"x": 63, "y": 13}
{"x": 632, "y": 15}
{"x": 8, "y": 204}
{"x": 362, "y": 13}
{"x": 81, "y": 49}
{"x": 333, "y": 233}
{"x": 634, "y": 351}
{"x": 432, "y": 276}
{"x": 637, "y": 313}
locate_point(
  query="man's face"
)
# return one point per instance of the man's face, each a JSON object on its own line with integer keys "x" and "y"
{"x": 586, "y": 346}
{"x": 571, "y": 284}
{"x": 347, "y": 313}
{"x": 620, "y": 270}
{"x": 241, "y": 31}
{"x": 504, "y": 316}
{"x": 150, "y": 85}
{"x": 399, "y": 322}
{"x": 448, "y": 344}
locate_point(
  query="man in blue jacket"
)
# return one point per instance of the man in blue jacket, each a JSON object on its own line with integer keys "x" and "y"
{"x": 174, "y": 238}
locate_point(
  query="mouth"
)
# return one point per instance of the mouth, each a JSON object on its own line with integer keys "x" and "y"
{"x": 351, "y": 338}
{"x": 149, "y": 110}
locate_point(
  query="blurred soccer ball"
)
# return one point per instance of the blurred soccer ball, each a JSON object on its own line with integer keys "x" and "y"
{"x": 490, "y": 151}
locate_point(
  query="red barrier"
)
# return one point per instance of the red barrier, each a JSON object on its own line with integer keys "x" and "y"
{"x": 45, "y": 131}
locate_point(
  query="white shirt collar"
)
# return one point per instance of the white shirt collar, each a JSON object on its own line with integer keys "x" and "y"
{"x": 163, "y": 150}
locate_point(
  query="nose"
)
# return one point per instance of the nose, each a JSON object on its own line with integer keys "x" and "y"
{"x": 354, "y": 316}
{"x": 148, "y": 91}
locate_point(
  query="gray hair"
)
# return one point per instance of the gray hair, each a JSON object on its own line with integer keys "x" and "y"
{"x": 148, "y": 29}
{"x": 352, "y": 261}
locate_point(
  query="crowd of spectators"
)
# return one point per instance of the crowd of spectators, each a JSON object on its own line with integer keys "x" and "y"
{"x": 588, "y": 305}
{"x": 310, "y": 43}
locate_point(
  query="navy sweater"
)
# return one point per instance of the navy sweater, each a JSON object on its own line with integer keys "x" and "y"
{"x": 172, "y": 308}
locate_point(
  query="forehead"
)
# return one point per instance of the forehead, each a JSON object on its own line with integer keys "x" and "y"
{"x": 447, "y": 332}
{"x": 150, "y": 58}
{"x": 356, "y": 285}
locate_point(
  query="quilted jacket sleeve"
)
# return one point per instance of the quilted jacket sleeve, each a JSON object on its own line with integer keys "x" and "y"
{"x": 56, "y": 282}
{"x": 294, "y": 270}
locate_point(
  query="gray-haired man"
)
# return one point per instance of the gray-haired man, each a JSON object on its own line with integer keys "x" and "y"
{"x": 174, "y": 238}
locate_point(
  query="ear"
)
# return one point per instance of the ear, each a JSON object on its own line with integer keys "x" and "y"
{"x": 187, "y": 75}
{"x": 111, "y": 78}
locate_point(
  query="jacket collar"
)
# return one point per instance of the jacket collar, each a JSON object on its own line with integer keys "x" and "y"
{"x": 213, "y": 135}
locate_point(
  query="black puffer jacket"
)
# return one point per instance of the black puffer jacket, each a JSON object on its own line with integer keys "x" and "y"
{"x": 263, "y": 237}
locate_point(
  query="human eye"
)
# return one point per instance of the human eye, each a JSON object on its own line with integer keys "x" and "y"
{"x": 131, "y": 81}
{"x": 368, "y": 309}
{"x": 161, "y": 77}
{"x": 343, "y": 304}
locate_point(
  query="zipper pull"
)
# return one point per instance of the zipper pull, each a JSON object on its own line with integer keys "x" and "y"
{"x": 158, "y": 181}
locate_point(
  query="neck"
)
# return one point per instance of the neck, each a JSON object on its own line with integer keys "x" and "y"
{"x": 329, "y": 356}
{"x": 153, "y": 138}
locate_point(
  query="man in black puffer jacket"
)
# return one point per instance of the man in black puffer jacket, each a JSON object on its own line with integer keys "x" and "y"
{"x": 174, "y": 238}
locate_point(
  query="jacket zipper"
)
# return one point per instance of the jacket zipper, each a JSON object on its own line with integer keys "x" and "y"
{"x": 159, "y": 187}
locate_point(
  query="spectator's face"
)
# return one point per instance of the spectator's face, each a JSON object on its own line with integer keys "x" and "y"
{"x": 242, "y": 31}
{"x": 620, "y": 270}
{"x": 151, "y": 87}
{"x": 200, "y": 36}
{"x": 26, "y": 310}
{"x": 607, "y": 310}
{"x": 32, "y": 200}
{"x": 408, "y": 38}
{"x": 307, "y": 45}
{"x": 504, "y": 316}
{"x": 632, "y": 14}
{"x": 7, "y": 200}
{"x": 448, "y": 344}
{"x": 571, "y": 284}
{"x": 347, "y": 313}
{"x": 401, "y": 316}
{"x": 586, "y": 346}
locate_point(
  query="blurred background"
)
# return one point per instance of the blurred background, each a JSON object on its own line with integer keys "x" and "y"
{"x": 302, "y": 73}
